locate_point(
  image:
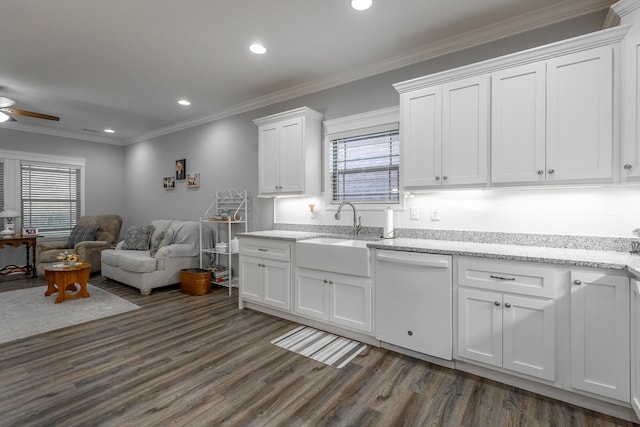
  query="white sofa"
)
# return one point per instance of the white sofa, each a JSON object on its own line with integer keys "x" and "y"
{"x": 138, "y": 268}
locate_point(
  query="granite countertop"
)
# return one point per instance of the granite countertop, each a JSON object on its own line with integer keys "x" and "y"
{"x": 574, "y": 257}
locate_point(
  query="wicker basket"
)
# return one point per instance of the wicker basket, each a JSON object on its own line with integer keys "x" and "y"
{"x": 195, "y": 281}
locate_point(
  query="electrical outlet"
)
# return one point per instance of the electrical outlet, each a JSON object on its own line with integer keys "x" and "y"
{"x": 414, "y": 214}
{"x": 435, "y": 215}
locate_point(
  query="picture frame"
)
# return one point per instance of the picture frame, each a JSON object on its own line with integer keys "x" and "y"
{"x": 30, "y": 231}
{"x": 193, "y": 181}
{"x": 181, "y": 169}
{"x": 168, "y": 183}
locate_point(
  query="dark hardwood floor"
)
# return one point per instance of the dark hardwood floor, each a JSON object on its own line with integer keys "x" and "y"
{"x": 199, "y": 361}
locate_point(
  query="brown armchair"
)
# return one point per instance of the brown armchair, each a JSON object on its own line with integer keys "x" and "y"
{"x": 108, "y": 231}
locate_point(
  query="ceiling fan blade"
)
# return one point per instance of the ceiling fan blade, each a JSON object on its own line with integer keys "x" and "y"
{"x": 6, "y": 102}
{"x": 30, "y": 114}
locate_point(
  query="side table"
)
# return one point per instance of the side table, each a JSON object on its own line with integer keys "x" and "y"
{"x": 29, "y": 242}
{"x": 61, "y": 279}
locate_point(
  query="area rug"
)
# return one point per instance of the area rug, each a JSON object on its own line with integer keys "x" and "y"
{"x": 27, "y": 312}
{"x": 321, "y": 346}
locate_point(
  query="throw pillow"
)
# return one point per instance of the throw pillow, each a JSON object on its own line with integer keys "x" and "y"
{"x": 163, "y": 239}
{"x": 137, "y": 238}
{"x": 81, "y": 234}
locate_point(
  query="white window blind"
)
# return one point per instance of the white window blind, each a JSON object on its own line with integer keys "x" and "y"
{"x": 1, "y": 186}
{"x": 50, "y": 197}
{"x": 365, "y": 168}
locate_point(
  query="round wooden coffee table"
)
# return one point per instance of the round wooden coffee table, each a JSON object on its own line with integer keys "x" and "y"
{"x": 61, "y": 279}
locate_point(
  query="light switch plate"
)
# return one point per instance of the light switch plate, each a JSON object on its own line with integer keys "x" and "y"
{"x": 414, "y": 214}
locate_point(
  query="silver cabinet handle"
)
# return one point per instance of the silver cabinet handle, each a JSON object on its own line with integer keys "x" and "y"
{"x": 628, "y": 166}
{"x": 551, "y": 171}
{"x": 263, "y": 249}
{"x": 577, "y": 282}
{"x": 506, "y": 304}
{"x": 502, "y": 277}
{"x": 496, "y": 303}
{"x": 540, "y": 172}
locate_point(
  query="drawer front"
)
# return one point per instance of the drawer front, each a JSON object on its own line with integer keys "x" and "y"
{"x": 265, "y": 248}
{"x": 516, "y": 277}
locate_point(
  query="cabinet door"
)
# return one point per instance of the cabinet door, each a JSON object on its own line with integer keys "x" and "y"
{"x": 579, "y": 115}
{"x": 518, "y": 124}
{"x": 631, "y": 112}
{"x": 351, "y": 301}
{"x": 480, "y": 326}
{"x": 269, "y": 158}
{"x": 600, "y": 334}
{"x": 635, "y": 346}
{"x": 250, "y": 278}
{"x": 421, "y": 142}
{"x": 528, "y": 336}
{"x": 291, "y": 156}
{"x": 465, "y": 122}
{"x": 312, "y": 293}
{"x": 277, "y": 283}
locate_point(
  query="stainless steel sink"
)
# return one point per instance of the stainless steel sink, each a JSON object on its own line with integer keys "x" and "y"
{"x": 347, "y": 256}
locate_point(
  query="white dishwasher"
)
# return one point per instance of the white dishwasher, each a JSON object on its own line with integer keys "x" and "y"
{"x": 414, "y": 301}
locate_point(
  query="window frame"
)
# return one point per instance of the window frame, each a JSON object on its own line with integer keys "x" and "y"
{"x": 12, "y": 177}
{"x": 359, "y": 124}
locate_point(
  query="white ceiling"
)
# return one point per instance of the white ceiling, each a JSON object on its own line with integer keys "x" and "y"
{"x": 123, "y": 64}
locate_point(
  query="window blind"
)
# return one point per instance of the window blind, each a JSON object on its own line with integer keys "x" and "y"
{"x": 50, "y": 197}
{"x": 2, "y": 186}
{"x": 365, "y": 168}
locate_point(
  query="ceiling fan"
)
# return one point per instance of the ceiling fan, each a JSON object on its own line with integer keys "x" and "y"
{"x": 5, "y": 110}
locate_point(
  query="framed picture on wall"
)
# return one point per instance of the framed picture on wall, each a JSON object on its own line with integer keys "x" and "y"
{"x": 181, "y": 169}
{"x": 168, "y": 183}
{"x": 193, "y": 181}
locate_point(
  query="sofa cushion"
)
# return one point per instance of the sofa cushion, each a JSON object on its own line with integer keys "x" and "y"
{"x": 137, "y": 262}
{"x": 137, "y": 238}
{"x": 82, "y": 234}
{"x": 110, "y": 257}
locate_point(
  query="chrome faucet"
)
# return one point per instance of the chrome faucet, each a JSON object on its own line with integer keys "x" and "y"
{"x": 357, "y": 226}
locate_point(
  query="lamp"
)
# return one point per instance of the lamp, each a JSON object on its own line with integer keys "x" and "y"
{"x": 9, "y": 215}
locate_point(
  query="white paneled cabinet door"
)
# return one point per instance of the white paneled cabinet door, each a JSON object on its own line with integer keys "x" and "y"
{"x": 600, "y": 334}
{"x": 635, "y": 346}
{"x": 465, "y": 122}
{"x": 277, "y": 283}
{"x": 251, "y": 278}
{"x": 421, "y": 143}
{"x": 291, "y": 160}
{"x": 631, "y": 109}
{"x": 269, "y": 159}
{"x": 480, "y": 326}
{"x": 311, "y": 294}
{"x": 351, "y": 301}
{"x": 580, "y": 115}
{"x": 529, "y": 337}
{"x": 518, "y": 124}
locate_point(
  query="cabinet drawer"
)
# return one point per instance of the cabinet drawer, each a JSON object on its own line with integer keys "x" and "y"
{"x": 266, "y": 248}
{"x": 507, "y": 276}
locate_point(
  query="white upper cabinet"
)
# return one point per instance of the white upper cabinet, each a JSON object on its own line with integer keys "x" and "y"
{"x": 444, "y": 134}
{"x": 631, "y": 112}
{"x": 289, "y": 152}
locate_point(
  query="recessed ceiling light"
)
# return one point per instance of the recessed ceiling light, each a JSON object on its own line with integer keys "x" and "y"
{"x": 361, "y": 4}
{"x": 109, "y": 131}
{"x": 184, "y": 102}
{"x": 258, "y": 49}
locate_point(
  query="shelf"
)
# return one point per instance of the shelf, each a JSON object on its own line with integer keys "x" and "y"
{"x": 222, "y": 221}
{"x": 213, "y": 251}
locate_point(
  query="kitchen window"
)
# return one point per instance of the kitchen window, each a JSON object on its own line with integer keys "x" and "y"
{"x": 364, "y": 158}
{"x": 47, "y": 190}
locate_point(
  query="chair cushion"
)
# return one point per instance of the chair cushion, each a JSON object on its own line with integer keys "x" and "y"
{"x": 137, "y": 238}
{"x": 81, "y": 234}
{"x": 137, "y": 262}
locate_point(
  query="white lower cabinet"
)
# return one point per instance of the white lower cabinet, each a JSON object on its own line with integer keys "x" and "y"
{"x": 265, "y": 281}
{"x": 336, "y": 298}
{"x": 508, "y": 331}
{"x": 635, "y": 346}
{"x": 600, "y": 333}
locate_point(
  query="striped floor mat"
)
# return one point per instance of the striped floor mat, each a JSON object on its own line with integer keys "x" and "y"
{"x": 324, "y": 347}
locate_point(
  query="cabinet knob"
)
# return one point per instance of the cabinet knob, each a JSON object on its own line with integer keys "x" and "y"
{"x": 551, "y": 171}
{"x": 444, "y": 178}
{"x": 540, "y": 172}
{"x": 410, "y": 333}
{"x": 507, "y": 305}
{"x": 496, "y": 303}
{"x": 325, "y": 281}
{"x": 577, "y": 282}
{"x": 437, "y": 178}
{"x": 628, "y": 166}
{"x": 331, "y": 282}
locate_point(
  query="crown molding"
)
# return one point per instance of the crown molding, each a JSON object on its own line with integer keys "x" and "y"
{"x": 60, "y": 133}
{"x": 561, "y": 11}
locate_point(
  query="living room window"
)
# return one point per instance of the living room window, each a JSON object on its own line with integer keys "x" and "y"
{"x": 47, "y": 190}
{"x": 363, "y": 158}
{"x": 1, "y": 185}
